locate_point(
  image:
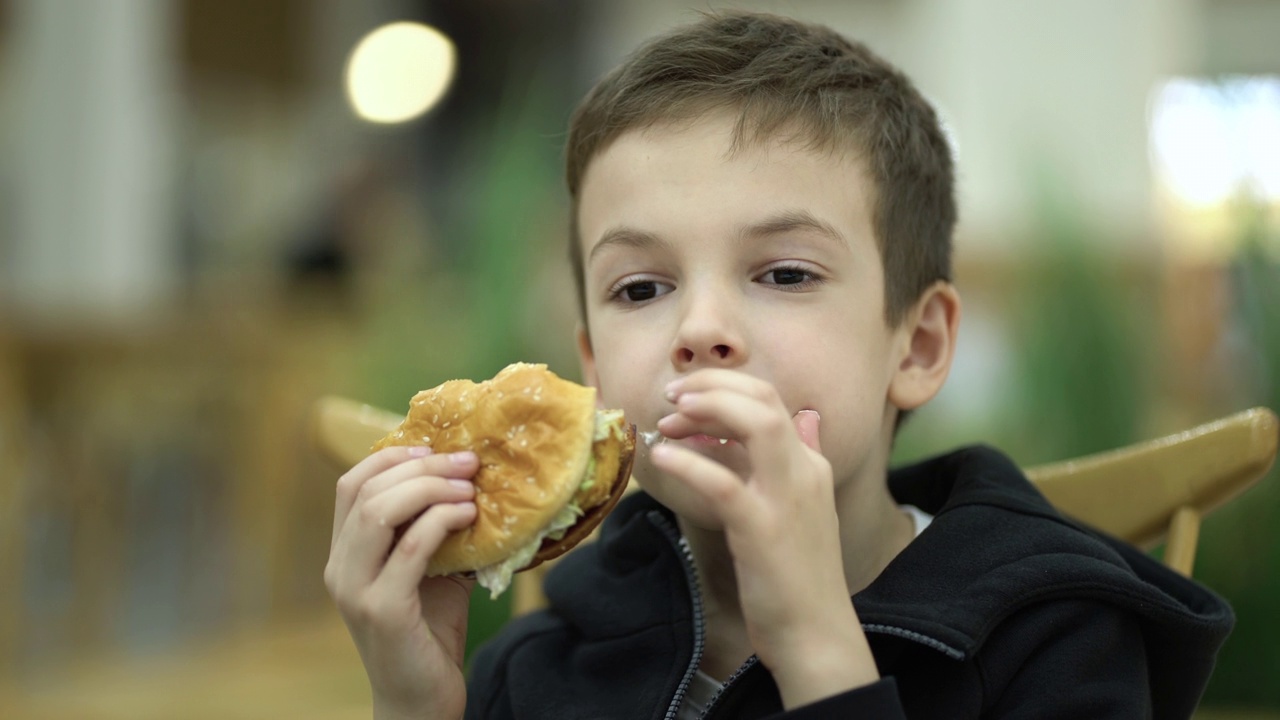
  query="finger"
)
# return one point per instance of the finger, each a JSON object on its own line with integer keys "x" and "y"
{"x": 355, "y": 478}
{"x": 369, "y": 531}
{"x": 721, "y": 379}
{"x": 719, "y": 413}
{"x": 391, "y": 466}
{"x": 723, "y": 490}
{"x": 764, "y": 430}
{"x": 407, "y": 564}
{"x": 399, "y": 504}
{"x": 459, "y": 465}
{"x": 807, "y": 422}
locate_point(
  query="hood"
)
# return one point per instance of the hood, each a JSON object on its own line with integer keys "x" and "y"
{"x": 1023, "y": 552}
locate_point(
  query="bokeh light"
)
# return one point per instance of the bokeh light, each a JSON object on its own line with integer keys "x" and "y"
{"x": 1211, "y": 140}
{"x": 399, "y": 71}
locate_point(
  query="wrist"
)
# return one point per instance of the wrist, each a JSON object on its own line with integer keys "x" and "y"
{"x": 823, "y": 667}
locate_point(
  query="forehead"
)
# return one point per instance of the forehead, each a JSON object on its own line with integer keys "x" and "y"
{"x": 696, "y": 177}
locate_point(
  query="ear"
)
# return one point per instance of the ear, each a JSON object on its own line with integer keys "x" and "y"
{"x": 587, "y": 357}
{"x": 925, "y": 345}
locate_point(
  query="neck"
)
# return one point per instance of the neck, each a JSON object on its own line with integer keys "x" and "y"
{"x": 873, "y": 529}
{"x": 727, "y": 646}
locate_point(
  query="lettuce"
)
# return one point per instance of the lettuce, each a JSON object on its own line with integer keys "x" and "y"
{"x": 497, "y": 577}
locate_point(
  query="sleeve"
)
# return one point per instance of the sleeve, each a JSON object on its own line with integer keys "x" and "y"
{"x": 486, "y": 693}
{"x": 878, "y": 700}
{"x": 1066, "y": 659}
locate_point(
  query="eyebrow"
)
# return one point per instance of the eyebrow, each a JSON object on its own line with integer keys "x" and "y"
{"x": 791, "y": 221}
{"x": 777, "y": 224}
{"x": 628, "y": 238}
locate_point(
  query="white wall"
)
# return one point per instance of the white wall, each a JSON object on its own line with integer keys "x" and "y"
{"x": 92, "y": 119}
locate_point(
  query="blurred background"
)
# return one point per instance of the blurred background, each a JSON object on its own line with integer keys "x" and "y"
{"x": 214, "y": 211}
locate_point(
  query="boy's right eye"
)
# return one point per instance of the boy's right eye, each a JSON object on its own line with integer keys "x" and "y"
{"x": 638, "y": 290}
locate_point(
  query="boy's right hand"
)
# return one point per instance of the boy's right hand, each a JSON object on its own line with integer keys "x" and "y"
{"x": 410, "y": 629}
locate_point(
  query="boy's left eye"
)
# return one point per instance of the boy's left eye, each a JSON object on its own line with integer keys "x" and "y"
{"x": 789, "y": 276}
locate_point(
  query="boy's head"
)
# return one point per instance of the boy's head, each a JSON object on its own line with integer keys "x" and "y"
{"x": 759, "y": 195}
{"x": 807, "y": 84}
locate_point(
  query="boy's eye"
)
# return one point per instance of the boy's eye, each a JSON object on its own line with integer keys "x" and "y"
{"x": 637, "y": 291}
{"x": 788, "y": 276}
{"x": 792, "y": 277}
{"x": 645, "y": 290}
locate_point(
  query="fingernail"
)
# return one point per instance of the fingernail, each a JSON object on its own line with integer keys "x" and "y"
{"x": 673, "y": 390}
{"x": 810, "y": 412}
{"x": 688, "y": 399}
{"x": 466, "y": 457}
{"x": 461, "y": 484}
{"x": 419, "y": 451}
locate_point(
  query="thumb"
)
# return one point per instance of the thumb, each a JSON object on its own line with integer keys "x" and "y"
{"x": 807, "y": 422}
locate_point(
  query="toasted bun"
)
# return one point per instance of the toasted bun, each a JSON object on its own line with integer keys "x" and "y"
{"x": 614, "y": 458}
{"x": 533, "y": 434}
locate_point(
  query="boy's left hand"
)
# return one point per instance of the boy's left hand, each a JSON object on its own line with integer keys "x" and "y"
{"x": 780, "y": 525}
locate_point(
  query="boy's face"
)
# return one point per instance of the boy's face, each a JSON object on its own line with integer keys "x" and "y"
{"x": 762, "y": 261}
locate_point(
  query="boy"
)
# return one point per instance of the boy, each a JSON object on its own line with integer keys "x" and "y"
{"x": 762, "y": 228}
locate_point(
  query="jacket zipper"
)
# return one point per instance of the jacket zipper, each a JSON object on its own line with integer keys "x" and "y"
{"x": 750, "y": 663}
{"x": 883, "y": 629}
{"x": 681, "y": 546}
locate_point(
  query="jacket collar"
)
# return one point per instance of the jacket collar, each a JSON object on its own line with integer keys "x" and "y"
{"x": 1019, "y": 550}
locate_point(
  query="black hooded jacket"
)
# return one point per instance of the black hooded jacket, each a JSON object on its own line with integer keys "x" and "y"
{"x": 1001, "y": 608}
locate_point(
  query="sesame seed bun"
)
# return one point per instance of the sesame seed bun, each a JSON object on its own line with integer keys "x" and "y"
{"x": 535, "y": 435}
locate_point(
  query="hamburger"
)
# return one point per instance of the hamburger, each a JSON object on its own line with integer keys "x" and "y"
{"x": 551, "y": 466}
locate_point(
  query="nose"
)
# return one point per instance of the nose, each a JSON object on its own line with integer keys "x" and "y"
{"x": 710, "y": 333}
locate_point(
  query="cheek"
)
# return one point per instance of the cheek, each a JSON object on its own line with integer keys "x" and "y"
{"x": 624, "y": 363}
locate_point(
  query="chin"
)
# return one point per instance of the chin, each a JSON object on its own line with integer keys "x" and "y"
{"x": 686, "y": 503}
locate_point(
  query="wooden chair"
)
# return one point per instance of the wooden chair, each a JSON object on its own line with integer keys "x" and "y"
{"x": 1142, "y": 493}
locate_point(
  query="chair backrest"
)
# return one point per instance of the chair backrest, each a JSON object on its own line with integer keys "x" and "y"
{"x": 1162, "y": 488}
{"x": 1141, "y": 493}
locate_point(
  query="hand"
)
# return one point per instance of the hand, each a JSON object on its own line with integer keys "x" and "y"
{"x": 780, "y": 525}
{"x": 410, "y": 630}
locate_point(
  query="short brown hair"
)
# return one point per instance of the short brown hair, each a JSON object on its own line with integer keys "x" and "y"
{"x": 785, "y": 76}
